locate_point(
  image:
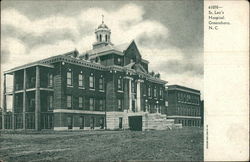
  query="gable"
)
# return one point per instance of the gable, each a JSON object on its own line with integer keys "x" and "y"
{"x": 132, "y": 52}
{"x": 139, "y": 68}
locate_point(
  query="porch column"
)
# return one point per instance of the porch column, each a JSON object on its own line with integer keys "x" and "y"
{"x": 138, "y": 95}
{"x": 4, "y": 102}
{"x": 24, "y": 99}
{"x": 13, "y": 102}
{"x": 37, "y": 100}
{"x": 129, "y": 94}
{"x": 129, "y": 91}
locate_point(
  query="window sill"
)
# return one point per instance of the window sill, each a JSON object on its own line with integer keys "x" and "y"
{"x": 81, "y": 87}
{"x": 68, "y": 86}
{"x": 101, "y": 90}
{"x": 91, "y": 89}
{"x": 120, "y": 91}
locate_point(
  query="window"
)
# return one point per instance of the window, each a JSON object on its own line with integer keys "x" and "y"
{"x": 50, "y": 102}
{"x": 149, "y": 91}
{"x": 119, "y": 104}
{"x": 80, "y": 102}
{"x": 101, "y": 104}
{"x": 69, "y": 102}
{"x": 119, "y": 84}
{"x": 155, "y": 95}
{"x": 132, "y": 87}
{"x": 69, "y": 78}
{"x": 50, "y": 84}
{"x": 91, "y": 81}
{"x": 119, "y": 61}
{"x": 70, "y": 122}
{"x": 160, "y": 93}
{"x": 91, "y": 103}
{"x": 81, "y": 122}
{"x": 106, "y": 38}
{"x": 101, "y": 84}
{"x": 80, "y": 80}
{"x": 100, "y": 38}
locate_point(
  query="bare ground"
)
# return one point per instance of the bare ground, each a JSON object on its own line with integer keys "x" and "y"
{"x": 176, "y": 145}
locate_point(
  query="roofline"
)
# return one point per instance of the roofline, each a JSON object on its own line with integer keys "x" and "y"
{"x": 27, "y": 66}
{"x": 146, "y": 61}
{"x": 183, "y": 88}
{"x": 106, "y": 53}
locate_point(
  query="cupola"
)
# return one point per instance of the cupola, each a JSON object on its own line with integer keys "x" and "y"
{"x": 102, "y": 35}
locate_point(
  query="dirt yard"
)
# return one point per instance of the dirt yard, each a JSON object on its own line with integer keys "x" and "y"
{"x": 179, "y": 145}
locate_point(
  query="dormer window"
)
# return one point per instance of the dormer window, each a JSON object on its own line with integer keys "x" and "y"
{"x": 119, "y": 61}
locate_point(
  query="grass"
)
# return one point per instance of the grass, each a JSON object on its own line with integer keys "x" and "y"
{"x": 176, "y": 145}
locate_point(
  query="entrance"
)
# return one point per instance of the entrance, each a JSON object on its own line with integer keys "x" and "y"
{"x": 120, "y": 123}
{"x": 135, "y": 123}
{"x": 92, "y": 123}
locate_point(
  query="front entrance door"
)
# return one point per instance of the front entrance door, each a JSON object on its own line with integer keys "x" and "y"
{"x": 120, "y": 123}
{"x": 135, "y": 123}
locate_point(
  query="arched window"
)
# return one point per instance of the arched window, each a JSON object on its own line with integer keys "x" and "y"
{"x": 106, "y": 38}
{"x": 97, "y": 37}
{"x": 100, "y": 38}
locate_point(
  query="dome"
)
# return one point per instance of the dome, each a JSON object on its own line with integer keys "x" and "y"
{"x": 102, "y": 26}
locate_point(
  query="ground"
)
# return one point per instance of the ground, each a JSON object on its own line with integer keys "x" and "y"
{"x": 173, "y": 145}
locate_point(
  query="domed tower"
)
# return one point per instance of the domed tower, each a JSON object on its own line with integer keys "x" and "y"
{"x": 102, "y": 36}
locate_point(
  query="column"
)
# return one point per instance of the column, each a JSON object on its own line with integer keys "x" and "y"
{"x": 138, "y": 95}
{"x": 24, "y": 99}
{"x": 37, "y": 100}
{"x": 13, "y": 102}
{"x": 4, "y": 102}
{"x": 130, "y": 94}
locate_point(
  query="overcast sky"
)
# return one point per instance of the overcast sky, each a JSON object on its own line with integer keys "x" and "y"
{"x": 168, "y": 33}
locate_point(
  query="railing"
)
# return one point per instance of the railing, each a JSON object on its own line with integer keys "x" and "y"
{"x": 30, "y": 120}
{"x": 47, "y": 120}
{"x": 8, "y": 121}
{"x": 18, "y": 87}
{"x": 30, "y": 85}
{"x": 18, "y": 120}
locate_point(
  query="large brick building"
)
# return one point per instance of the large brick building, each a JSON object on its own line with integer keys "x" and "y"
{"x": 106, "y": 87}
{"x": 184, "y": 105}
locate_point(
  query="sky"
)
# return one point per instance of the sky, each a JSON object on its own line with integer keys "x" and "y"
{"x": 168, "y": 33}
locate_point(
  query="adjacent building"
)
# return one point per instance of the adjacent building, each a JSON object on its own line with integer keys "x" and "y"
{"x": 184, "y": 105}
{"x": 108, "y": 87}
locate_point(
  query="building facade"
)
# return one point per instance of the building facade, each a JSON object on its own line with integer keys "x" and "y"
{"x": 184, "y": 105}
{"x": 106, "y": 87}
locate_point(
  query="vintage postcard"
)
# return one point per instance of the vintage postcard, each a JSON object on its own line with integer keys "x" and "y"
{"x": 163, "y": 80}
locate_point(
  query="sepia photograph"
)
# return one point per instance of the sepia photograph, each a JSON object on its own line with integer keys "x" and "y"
{"x": 102, "y": 80}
